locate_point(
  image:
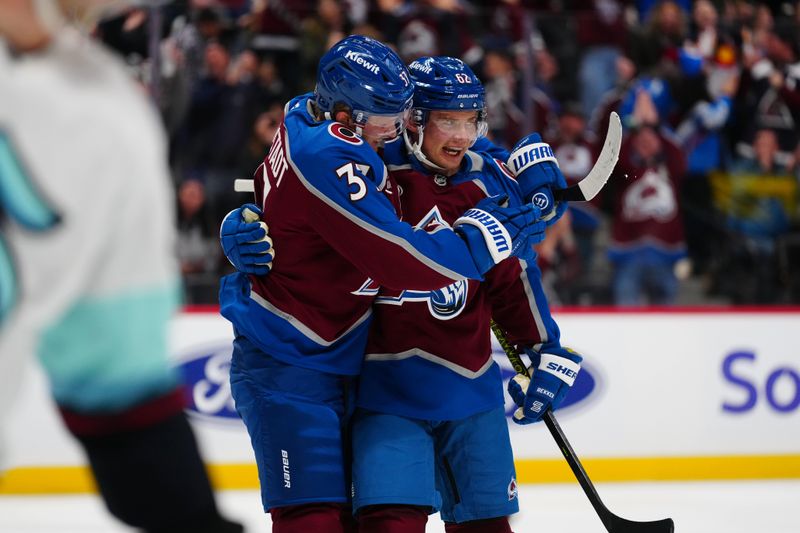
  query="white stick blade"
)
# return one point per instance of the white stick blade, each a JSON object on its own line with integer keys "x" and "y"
{"x": 598, "y": 176}
{"x": 242, "y": 185}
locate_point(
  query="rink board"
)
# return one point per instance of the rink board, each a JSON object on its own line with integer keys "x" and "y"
{"x": 664, "y": 395}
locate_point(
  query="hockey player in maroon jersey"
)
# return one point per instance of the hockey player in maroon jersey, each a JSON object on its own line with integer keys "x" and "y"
{"x": 430, "y": 432}
{"x": 301, "y": 330}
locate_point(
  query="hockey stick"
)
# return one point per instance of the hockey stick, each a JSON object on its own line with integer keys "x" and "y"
{"x": 596, "y": 179}
{"x": 612, "y": 522}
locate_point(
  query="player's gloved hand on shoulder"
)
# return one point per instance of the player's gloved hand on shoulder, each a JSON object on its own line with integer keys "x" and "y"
{"x": 535, "y": 166}
{"x": 494, "y": 231}
{"x": 553, "y": 373}
{"x": 245, "y": 240}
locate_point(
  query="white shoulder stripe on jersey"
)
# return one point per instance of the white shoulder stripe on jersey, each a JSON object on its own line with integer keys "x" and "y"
{"x": 302, "y": 328}
{"x": 404, "y": 244}
{"x": 435, "y": 359}
{"x": 531, "y": 297}
{"x": 481, "y": 185}
{"x": 475, "y": 160}
{"x": 384, "y": 179}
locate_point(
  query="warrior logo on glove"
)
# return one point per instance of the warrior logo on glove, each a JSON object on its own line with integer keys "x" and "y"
{"x": 541, "y": 201}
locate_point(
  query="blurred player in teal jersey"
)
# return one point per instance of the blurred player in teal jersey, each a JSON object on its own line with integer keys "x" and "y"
{"x": 88, "y": 281}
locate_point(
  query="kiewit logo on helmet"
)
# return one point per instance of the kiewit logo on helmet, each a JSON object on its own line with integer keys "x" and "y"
{"x": 421, "y": 67}
{"x": 354, "y": 56}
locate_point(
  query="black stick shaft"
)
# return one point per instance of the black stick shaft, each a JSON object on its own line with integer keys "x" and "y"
{"x": 612, "y": 522}
{"x": 577, "y": 468}
{"x": 556, "y": 432}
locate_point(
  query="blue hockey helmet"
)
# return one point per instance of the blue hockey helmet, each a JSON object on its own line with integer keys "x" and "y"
{"x": 369, "y": 78}
{"x": 444, "y": 84}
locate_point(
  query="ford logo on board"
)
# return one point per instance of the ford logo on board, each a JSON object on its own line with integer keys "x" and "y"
{"x": 206, "y": 374}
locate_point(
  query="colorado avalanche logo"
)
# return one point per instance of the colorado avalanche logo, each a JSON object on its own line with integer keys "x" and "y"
{"x": 340, "y": 132}
{"x": 444, "y": 303}
{"x": 448, "y": 302}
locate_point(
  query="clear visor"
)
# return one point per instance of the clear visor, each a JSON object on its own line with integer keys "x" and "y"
{"x": 469, "y": 127}
{"x": 378, "y": 129}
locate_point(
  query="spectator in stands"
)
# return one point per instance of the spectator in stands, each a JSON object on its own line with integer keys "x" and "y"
{"x": 576, "y": 156}
{"x": 506, "y": 94}
{"x": 602, "y": 34}
{"x": 277, "y": 29}
{"x": 328, "y": 26}
{"x": 260, "y": 141}
{"x": 700, "y": 136}
{"x": 647, "y": 245}
{"x": 704, "y": 34}
{"x": 769, "y": 94}
{"x": 761, "y": 198}
{"x": 654, "y": 47}
{"x": 224, "y": 106}
{"x": 197, "y": 247}
{"x": 612, "y": 100}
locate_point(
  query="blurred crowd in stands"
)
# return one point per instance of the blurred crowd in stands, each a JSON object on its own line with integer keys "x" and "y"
{"x": 703, "y": 207}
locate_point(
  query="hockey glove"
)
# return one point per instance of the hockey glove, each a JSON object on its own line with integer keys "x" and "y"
{"x": 533, "y": 164}
{"x": 554, "y": 374}
{"x": 245, "y": 240}
{"x": 494, "y": 232}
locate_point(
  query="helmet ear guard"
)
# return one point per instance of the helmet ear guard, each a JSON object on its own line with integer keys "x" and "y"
{"x": 483, "y": 123}
{"x": 419, "y": 117}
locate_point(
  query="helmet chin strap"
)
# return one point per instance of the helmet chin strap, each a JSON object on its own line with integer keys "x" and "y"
{"x": 416, "y": 150}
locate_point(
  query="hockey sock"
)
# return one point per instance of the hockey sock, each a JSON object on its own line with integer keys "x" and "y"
{"x": 308, "y": 518}
{"x": 392, "y": 519}
{"x": 148, "y": 468}
{"x": 493, "y": 525}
